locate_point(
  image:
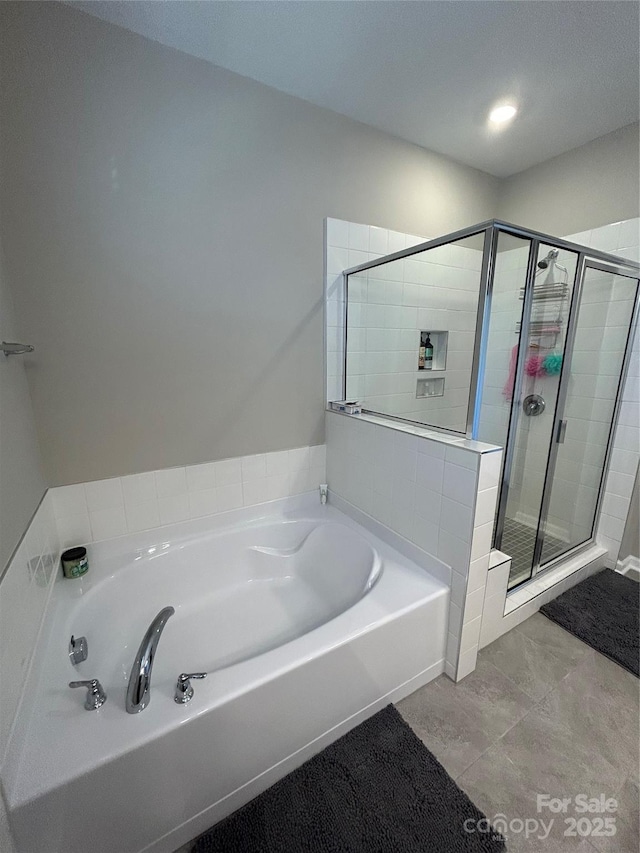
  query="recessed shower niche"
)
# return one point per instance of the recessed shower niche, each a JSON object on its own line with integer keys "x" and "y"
{"x": 430, "y": 386}
{"x": 438, "y": 344}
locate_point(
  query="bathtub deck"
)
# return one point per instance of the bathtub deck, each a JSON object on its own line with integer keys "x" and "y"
{"x": 253, "y": 721}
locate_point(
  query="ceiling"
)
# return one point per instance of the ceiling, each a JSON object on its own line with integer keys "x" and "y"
{"x": 428, "y": 71}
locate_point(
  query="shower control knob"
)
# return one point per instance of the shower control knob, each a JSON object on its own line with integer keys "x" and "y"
{"x": 533, "y": 405}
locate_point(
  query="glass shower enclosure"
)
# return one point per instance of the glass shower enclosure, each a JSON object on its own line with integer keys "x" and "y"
{"x": 512, "y": 337}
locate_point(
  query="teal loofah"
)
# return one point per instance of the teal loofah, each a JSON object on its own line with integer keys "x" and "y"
{"x": 552, "y": 364}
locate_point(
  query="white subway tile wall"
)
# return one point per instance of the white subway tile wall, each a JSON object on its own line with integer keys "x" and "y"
{"x": 24, "y": 593}
{"x": 388, "y": 306}
{"x": 594, "y": 387}
{"x": 89, "y": 512}
{"x": 425, "y": 490}
{"x": 347, "y": 244}
{"x": 623, "y": 463}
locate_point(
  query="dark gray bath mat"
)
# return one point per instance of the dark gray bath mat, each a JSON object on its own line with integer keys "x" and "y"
{"x": 603, "y": 611}
{"x": 376, "y": 790}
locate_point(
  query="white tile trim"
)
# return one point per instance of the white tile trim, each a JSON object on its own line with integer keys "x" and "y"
{"x": 502, "y": 612}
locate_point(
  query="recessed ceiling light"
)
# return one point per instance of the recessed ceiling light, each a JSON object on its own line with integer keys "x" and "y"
{"x": 502, "y": 114}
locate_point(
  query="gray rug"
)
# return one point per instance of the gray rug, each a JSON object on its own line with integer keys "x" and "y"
{"x": 376, "y": 790}
{"x": 603, "y": 611}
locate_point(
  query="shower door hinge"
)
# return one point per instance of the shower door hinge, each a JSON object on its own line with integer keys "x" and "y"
{"x": 562, "y": 429}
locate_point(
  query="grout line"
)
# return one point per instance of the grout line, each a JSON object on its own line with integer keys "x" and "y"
{"x": 544, "y": 650}
{"x": 534, "y": 707}
{"x": 498, "y": 739}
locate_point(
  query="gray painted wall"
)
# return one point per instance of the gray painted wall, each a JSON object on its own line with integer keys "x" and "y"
{"x": 163, "y": 229}
{"x": 590, "y": 186}
{"x": 21, "y": 480}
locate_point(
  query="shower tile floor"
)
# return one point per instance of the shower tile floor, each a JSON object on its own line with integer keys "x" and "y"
{"x": 543, "y": 713}
{"x": 518, "y": 541}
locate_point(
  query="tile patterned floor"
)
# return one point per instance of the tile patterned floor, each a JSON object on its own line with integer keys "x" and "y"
{"x": 542, "y": 713}
{"x": 518, "y": 540}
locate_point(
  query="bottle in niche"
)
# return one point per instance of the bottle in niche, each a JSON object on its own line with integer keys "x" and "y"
{"x": 421, "y": 353}
{"x": 428, "y": 354}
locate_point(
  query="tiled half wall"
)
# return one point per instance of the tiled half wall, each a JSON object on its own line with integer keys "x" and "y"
{"x": 438, "y": 494}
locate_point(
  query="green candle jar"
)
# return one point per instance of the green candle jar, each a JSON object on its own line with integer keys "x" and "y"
{"x": 74, "y": 562}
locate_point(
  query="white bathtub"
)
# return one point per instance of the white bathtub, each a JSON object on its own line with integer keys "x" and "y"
{"x": 306, "y": 624}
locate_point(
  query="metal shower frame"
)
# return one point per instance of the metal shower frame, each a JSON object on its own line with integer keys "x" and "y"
{"x": 586, "y": 259}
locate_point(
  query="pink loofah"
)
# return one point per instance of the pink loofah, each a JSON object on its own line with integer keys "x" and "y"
{"x": 534, "y": 366}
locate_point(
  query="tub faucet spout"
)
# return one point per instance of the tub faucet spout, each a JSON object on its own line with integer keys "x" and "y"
{"x": 139, "y": 689}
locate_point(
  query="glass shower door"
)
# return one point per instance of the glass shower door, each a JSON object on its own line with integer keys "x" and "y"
{"x": 552, "y": 399}
{"x": 586, "y": 410}
{"x": 542, "y": 337}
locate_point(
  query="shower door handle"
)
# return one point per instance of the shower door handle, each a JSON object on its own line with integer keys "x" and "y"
{"x": 561, "y": 431}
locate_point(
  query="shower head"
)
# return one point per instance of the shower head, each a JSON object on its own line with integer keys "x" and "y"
{"x": 551, "y": 256}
